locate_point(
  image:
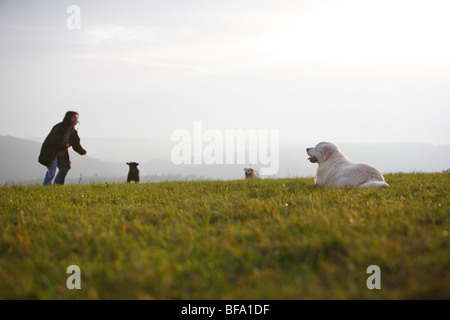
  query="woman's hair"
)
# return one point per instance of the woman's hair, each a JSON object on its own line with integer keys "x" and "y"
{"x": 66, "y": 120}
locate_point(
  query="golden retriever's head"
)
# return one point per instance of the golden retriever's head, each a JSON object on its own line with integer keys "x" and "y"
{"x": 251, "y": 173}
{"x": 248, "y": 171}
{"x": 321, "y": 152}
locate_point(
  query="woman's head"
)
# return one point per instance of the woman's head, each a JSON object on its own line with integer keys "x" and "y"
{"x": 70, "y": 119}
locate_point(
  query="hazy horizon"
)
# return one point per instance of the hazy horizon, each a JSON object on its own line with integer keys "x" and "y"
{"x": 342, "y": 71}
{"x": 107, "y": 161}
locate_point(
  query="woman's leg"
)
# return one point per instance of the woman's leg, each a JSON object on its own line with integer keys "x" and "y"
{"x": 50, "y": 173}
{"x": 63, "y": 169}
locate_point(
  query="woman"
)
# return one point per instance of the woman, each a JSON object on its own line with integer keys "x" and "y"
{"x": 54, "y": 151}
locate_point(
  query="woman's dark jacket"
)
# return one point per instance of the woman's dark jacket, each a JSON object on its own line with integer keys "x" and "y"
{"x": 55, "y": 142}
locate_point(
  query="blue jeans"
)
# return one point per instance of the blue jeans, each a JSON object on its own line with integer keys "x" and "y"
{"x": 50, "y": 173}
{"x": 61, "y": 176}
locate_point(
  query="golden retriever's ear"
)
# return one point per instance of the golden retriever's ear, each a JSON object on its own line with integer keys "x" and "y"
{"x": 326, "y": 152}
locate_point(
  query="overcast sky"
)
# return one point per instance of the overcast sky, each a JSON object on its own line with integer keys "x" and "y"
{"x": 346, "y": 71}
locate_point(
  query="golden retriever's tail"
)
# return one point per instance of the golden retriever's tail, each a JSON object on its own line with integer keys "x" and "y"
{"x": 375, "y": 184}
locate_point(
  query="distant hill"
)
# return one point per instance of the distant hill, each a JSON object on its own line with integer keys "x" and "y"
{"x": 19, "y": 165}
{"x": 18, "y": 161}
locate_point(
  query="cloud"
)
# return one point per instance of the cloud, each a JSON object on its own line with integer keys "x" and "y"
{"x": 138, "y": 59}
{"x": 349, "y": 32}
{"x": 104, "y": 34}
{"x": 180, "y": 47}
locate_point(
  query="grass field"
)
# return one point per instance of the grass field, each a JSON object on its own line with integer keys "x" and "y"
{"x": 266, "y": 239}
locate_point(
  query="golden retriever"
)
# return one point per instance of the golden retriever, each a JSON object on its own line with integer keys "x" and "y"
{"x": 336, "y": 170}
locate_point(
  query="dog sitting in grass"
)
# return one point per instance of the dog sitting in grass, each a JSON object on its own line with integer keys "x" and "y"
{"x": 251, "y": 173}
{"x": 133, "y": 173}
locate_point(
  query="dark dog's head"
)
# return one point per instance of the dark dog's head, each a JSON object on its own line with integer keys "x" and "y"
{"x": 133, "y": 165}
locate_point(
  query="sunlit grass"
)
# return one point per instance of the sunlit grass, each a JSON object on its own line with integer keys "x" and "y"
{"x": 266, "y": 239}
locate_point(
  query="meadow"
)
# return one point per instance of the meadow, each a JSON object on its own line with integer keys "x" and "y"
{"x": 280, "y": 239}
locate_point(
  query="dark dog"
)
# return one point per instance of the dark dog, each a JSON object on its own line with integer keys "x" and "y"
{"x": 133, "y": 174}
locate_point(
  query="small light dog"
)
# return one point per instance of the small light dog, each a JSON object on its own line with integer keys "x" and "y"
{"x": 336, "y": 170}
{"x": 251, "y": 173}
